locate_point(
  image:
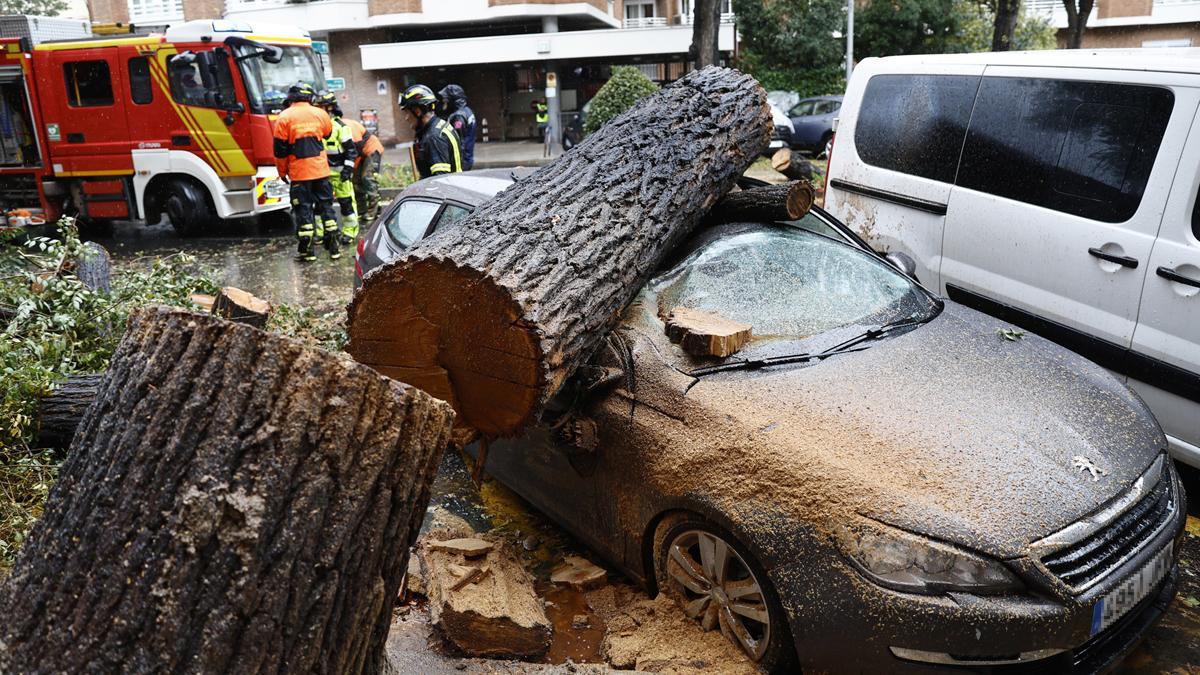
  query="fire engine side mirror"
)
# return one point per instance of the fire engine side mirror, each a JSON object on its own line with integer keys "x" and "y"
{"x": 272, "y": 54}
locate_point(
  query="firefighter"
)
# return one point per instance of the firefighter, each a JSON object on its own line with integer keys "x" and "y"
{"x": 342, "y": 153}
{"x": 370, "y": 159}
{"x": 437, "y": 145}
{"x": 300, "y": 132}
{"x": 462, "y": 118}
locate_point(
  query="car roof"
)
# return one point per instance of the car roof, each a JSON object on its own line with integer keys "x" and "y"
{"x": 1177, "y": 60}
{"x": 468, "y": 187}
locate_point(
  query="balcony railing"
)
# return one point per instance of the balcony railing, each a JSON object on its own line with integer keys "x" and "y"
{"x": 687, "y": 19}
{"x": 646, "y": 22}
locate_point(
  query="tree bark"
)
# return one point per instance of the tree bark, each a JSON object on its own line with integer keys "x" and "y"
{"x": 496, "y": 313}
{"x": 786, "y": 201}
{"x": 1005, "y": 24}
{"x": 60, "y": 411}
{"x": 706, "y": 24}
{"x": 1078, "y": 12}
{"x": 236, "y": 502}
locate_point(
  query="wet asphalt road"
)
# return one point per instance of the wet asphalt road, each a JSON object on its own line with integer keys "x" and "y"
{"x": 261, "y": 262}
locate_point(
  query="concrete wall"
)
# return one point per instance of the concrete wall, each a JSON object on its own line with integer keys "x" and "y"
{"x": 1134, "y": 36}
{"x": 1108, "y": 9}
{"x": 362, "y": 86}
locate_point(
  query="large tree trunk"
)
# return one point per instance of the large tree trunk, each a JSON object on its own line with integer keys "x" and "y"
{"x": 60, "y": 411}
{"x": 1005, "y": 24}
{"x": 235, "y": 502}
{"x": 786, "y": 201}
{"x": 1078, "y": 12}
{"x": 496, "y": 313}
{"x": 706, "y": 24}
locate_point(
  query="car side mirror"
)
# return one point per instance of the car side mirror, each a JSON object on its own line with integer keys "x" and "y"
{"x": 903, "y": 262}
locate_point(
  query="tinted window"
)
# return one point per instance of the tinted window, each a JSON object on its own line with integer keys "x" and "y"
{"x": 139, "y": 80}
{"x": 915, "y": 124}
{"x": 193, "y": 85}
{"x": 1084, "y": 148}
{"x": 409, "y": 221}
{"x": 89, "y": 83}
{"x": 802, "y": 108}
{"x": 824, "y": 107}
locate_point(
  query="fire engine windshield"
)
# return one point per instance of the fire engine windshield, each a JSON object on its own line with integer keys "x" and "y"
{"x": 267, "y": 83}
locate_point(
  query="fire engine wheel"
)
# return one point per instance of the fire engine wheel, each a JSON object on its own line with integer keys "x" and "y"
{"x": 189, "y": 208}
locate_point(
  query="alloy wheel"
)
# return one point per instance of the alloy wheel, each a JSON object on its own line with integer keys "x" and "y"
{"x": 718, "y": 589}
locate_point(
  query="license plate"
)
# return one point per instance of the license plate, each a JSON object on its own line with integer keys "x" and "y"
{"x": 276, "y": 189}
{"x": 1131, "y": 591}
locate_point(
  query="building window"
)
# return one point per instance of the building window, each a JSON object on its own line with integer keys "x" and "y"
{"x": 156, "y": 11}
{"x": 89, "y": 83}
{"x": 140, "y": 89}
{"x": 639, "y": 9}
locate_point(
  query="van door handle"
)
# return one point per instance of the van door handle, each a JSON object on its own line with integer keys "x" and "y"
{"x": 1122, "y": 260}
{"x": 75, "y": 138}
{"x": 1168, "y": 273}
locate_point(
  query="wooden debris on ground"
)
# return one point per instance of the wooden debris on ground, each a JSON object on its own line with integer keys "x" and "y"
{"x": 203, "y": 302}
{"x": 792, "y": 165}
{"x": 767, "y": 203}
{"x": 496, "y": 317}
{"x": 238, "y": 305}
{"x": 467, "y": 547}
{"x": 702, "y": 333}
{"x": 579, "y": 573}
{"x": 485, "y": 606}
{"x": 221, "y": 476}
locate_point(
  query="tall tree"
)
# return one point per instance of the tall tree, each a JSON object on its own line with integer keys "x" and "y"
{"x": 886, "y": 28}
{"x": 33, "y": 7}
{"x": 1077, "y": 16}
{"x": 1007, "y": 12}
{"x": 786, "y": 44}
{"x": 706, "y": 22}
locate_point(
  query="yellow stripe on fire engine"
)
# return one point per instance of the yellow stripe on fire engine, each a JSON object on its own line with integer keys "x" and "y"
{"x": 110, "y": 42}
{"x": 159, "y": 73}
{"x": 104, "y": 172}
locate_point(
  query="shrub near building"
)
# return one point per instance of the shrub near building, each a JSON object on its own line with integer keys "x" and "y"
{"x": 626, "y": 86}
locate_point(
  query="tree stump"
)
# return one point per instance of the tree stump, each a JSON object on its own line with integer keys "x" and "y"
{"x": 494, "y": 314}
{"x": 235, "y": 502}
{"x": 787, "y": 201}
{"x": 238, "y": 305}
{"x": 60, "y": 411}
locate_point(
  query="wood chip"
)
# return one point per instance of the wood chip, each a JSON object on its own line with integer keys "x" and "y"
{"x": 702, "y": 333}
{"x": 469, "y": 547}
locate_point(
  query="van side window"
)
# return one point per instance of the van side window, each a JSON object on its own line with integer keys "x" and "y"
{"x": 1196, "y": 218}
{"x": 89, "y": 83}
{"x": 915, "y": 124}
{"x": 140, "y": 89}
{"x": 1083, "y": 148}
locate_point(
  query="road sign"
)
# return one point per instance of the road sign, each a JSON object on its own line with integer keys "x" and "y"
{"x": 335, "y": 83}
{"x": 320, "y": 46}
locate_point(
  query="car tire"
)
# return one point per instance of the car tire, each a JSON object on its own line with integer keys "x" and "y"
{"x": 822, "y": 151}
{"x": 681, "y": 539}
{"x": 189, "y": 208}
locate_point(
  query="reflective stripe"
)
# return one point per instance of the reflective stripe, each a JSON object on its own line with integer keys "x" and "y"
{"x": 451, "y": 136}
{"x": 441, "y": 167}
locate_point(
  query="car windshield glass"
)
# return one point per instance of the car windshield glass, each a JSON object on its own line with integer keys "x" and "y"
{"x": 267, "y": 83}
{"x": 409, "y": 221}
{"x": 789, "y": 284}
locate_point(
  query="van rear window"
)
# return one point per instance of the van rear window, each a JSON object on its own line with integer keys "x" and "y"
{"x": 915, "y": 124}
{"x": 1083, "y": 148}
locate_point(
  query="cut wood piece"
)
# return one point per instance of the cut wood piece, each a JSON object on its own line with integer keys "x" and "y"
{"x": 494, "y": 315}
{"x": 794, "y": 167}
{"x": 579, "y": 573}
{"x": 238, "y": 305}
{"x": 786, "y": 201}
{"x": 702, "y": 333}
{"x": 60, "y": 411}
{"x": 493, "y": 613}
{"x": 203, "y": 302}
{"x": 234, "y": 502}
{"x": 468, "y": 548}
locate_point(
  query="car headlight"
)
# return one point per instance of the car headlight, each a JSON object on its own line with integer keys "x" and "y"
{"x": 905, "y": 562}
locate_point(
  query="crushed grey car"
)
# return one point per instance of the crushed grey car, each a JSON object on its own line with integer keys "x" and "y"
{"x": 880, "y": 481}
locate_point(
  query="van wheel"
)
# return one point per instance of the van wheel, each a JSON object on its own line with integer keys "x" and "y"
{"x": 823, "y": 148}
{"x": 189, "y": 208}
{"x": 720, "y": 586}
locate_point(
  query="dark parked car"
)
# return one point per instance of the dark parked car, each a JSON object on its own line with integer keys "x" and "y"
{"x": 879, "y": 481}
{"x": 812, "y": 122}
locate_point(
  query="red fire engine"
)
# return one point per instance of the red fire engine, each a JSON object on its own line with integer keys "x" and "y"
{"x": 140, "y": 126}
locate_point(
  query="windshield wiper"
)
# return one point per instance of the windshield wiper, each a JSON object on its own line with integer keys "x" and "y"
{"x": 843, "y": 347}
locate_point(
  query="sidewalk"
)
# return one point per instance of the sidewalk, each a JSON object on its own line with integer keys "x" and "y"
{"x": 493, "y": 155}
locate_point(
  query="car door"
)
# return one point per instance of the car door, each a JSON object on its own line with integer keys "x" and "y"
{"x": 803, "y": 129}
{"x": 1058, "y": 199}
{"x": 86, "y": 122}
{"x": 1164, "y": 363}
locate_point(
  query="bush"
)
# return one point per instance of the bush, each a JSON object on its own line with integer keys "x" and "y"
{"x": 626, "y": 86}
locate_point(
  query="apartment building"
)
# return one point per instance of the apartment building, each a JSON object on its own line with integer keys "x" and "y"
{"x": 505, "y": 53}
{"x": 1130, "y": 23}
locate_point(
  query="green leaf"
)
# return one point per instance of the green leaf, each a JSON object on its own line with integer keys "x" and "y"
{"x": 1010, "y": 334}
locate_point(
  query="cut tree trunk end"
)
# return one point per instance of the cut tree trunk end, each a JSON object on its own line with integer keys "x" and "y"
{"x": 60, "y": 411}
{"x": 703, "y": 333}
{"x": 235, "y": 502}
{"x": 238, "y": 305}
{"x": 795, "y": 168}
{"x": 786, "y": 201}
{"x": 494, "y": 315}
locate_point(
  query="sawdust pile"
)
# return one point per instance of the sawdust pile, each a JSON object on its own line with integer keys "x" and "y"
{"x": 656, "y": 636}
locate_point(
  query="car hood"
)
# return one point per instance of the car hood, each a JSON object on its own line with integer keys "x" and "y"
{"x": 949, "y": 430}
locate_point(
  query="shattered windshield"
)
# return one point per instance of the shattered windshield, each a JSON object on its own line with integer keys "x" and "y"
{"x": 267, "y": 83}
{"x": 788, "y": 283}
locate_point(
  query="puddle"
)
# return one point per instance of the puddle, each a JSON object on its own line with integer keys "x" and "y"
{"x": 578, "y": 643}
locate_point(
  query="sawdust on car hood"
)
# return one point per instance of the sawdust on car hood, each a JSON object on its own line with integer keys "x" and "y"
{"x": 947, "y": 430}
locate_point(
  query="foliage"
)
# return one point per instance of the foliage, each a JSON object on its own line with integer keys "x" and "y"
{"x": 33, "y": 7}
{"x": 325, "y": 330}
{"x": 395, "y": 176}
{"x": 976, "y": 20}
{"x": 626, "y": 86}
{"x": 790, "y": 44}
{"x": 890, "y": 27}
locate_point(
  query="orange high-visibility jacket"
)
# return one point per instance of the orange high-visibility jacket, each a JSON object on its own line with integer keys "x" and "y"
{"x": 366, "y": 142}
{"x": 300, "y": 133}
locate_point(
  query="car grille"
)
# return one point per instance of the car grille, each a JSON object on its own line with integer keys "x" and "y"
{"x": 1087, "y": 561}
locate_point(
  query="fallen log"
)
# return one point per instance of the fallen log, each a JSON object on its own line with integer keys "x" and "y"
{"x": 786, "y": 201}
{"x": 234, "y": 502}
{"x": 238, "y": 305}
{"x": 789, "y": 164}
{"x": 494, "y": 315}
{"x": 59, "y": 411}
{"x": 485, "y": 606}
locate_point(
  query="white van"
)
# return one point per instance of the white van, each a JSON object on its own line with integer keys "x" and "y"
{"x": 1056, "y": 190}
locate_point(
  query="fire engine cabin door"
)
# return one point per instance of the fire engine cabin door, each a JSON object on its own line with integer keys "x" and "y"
{"x": 85, "y": 95}
{"x": 18, "y": 143}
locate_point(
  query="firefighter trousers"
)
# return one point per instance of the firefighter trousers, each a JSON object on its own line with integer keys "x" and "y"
{"x": 343, "y": 193}
{"x": 312, "y": 209}
{"x": 366, "y": 186}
